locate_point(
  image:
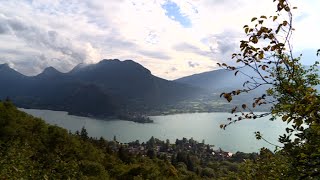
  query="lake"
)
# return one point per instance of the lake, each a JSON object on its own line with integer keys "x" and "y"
{"x": 200, "y": 126}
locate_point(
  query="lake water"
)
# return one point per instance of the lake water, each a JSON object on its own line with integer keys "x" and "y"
{"x": 200, "y": 126}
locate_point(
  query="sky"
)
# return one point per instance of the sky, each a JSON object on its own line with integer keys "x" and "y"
{"x": 172, "y": 38}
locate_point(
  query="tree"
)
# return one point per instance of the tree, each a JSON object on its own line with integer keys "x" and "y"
{"x": 291, "y": 91}
{"x": 151, "y": 143}
{"x": 151, "y": 153}
{"x": 84, "y": 133}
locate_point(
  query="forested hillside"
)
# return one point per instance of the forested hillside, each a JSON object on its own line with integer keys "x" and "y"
{"x": 32, "y": 149}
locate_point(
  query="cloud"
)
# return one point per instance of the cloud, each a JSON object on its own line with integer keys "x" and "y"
{"x": 44, "y": 40}
{"x": 227, "y": 41}
{"x": 52, "y": 44}
{"x": 173, "y": 69}
{"x": 41, "y": 33}
{"x": 193, "y": 64}
{"x": 155, "y": 54}
{"x": 185, "y": 47}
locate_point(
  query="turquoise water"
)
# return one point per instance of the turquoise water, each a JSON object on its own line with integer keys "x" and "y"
{"x": 200, "y": 126}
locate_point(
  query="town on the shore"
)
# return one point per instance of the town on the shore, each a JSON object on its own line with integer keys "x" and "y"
{"x": 187, "y": 151}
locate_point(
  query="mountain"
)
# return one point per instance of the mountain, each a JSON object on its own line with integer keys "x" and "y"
{"x": 131, "y": 82}
{"x": 218, "y": 80}
{"x": 11, "y": 81}
{"x": 221, "y": 80}
{"x": 49, "y": 71}
{"x": 107, "y": 88}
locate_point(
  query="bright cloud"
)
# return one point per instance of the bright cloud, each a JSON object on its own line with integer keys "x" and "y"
{"x": 172, "y": 38}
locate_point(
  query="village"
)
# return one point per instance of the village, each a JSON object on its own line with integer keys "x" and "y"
{"x": 187, "y": 154}
{"x": 181, "y": 151}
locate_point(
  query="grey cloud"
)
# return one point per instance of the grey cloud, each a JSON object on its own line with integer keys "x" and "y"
{"x": 226, "y": 46}
{"x": 4, "y": 29}
{"x": 38, "y": 37}
{"x": 152, "y": 37}
{"x": 44, "y": 46}
{"x": 154, "y": 54}
{"x": 94, "y": 5}
{"x": 114, "y": 42}
{"x": 52, "y": 35}
{"x": 193, "y": 64}
{"x": 12, "y": 51}
{"x": 83, "y": 35}
{"x": 95, "y": 11}
{"x": 226, "y": 41}
{"x": 185, "y": 47}
{"x": 16, "y": 24}
{"x": 42, "y": 39}
{"x": 32, "y": 63}
{"x": 56, "y": 33}
{"x": 173, "y": 69}
{"x": 25, "y": 64}
{"x": 98, "y": 5}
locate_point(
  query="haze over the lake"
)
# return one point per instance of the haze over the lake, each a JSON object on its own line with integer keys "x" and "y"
{"x": 172, "y": 38}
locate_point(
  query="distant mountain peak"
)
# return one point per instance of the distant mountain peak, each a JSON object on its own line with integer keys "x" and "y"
{"x": 6, "y": 68}
{"x": 7, "y": 71}
{"x": 108, "y": 61}
{"x": 49, "y": 71}
{"x": 79, "y": 67}
{"x": 5, "y": 65}
{"x": 123, "y": 64}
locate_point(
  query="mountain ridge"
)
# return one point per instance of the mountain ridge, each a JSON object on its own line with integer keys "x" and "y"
{"x": 104, "y": 89}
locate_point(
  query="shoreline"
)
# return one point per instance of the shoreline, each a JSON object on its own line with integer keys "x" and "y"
{"x": 146, "y": 114}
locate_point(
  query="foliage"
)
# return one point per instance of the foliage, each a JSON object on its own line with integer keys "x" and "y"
{"x": 32, "y": 149}
{"x": 291, "y": 92}
{"x": 266, "y": 166}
